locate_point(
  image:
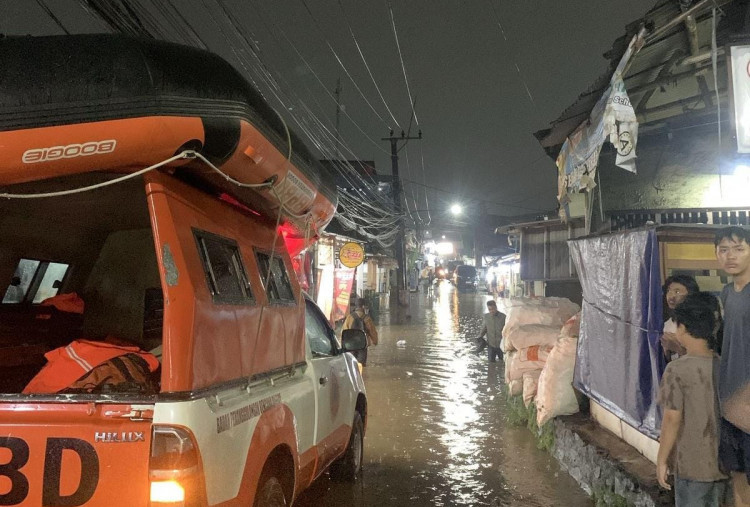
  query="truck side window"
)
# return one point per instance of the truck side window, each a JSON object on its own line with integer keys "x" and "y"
{"x": 279, "y": 289}
{"x": 316, "y": 332}
{"x": 35, "y": 281}
{"x": 225, "y": 272}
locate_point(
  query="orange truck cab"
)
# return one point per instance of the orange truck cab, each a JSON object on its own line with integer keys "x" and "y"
{"x": 253, "y": 396}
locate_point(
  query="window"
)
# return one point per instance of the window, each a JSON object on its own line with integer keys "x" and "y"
{"x": 35, "y": 281}
{"x": 225, "y": 273}
{"x": 279, "y": 288}
{"x": 317, "y": 332}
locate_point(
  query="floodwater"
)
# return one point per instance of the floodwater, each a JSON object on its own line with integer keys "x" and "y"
{"x": 437, "y": 434}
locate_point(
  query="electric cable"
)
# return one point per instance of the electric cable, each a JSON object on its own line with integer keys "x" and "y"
{"x": 134, "y": 17}
{"x": 518, "y": 69}
{"x": 341, "y": 64}
{"x": 367, "y": 66}
{"x": 51, "y": 14}
{"x": 401, "y": 57}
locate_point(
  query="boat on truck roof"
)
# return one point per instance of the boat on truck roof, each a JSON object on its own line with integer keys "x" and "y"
{"x": 145, "y": 186}
{"x": 119, "y": 104}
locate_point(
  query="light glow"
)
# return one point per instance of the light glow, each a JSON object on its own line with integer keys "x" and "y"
{"x": 456, "y": 209}
{"x": 445, "y": 248}
{"x": 167, "y": 492}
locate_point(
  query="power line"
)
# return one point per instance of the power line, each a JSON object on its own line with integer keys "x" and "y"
{"x": 518, "y": 69}
{"x": 51, "y": 14}
{"x": 309, "y": 67}
{"x": 364, "y": 60}
{"x": 341, "y": 64}
{"x": 401, "y": 57}
{"x": 377, "y": 218}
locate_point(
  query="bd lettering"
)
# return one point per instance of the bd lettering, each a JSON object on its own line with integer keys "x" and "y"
{"x": 35, "y": 155}
{"x": 19, "y": 483}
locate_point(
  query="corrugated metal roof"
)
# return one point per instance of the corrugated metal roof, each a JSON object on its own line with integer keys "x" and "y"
{"x": 655, "y": 67}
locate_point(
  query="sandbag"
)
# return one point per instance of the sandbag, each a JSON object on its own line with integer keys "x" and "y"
{"x": 530, "y": 383}
{"x": 529, "y": 335}
{"x": 508, "y": 360}
{"x": 572, "y": 326}
{"x": 528, "y": 359}
{"x": 515, "y": 387}
{"x": 555, "y": 394}
{"x": 542, "y": 311}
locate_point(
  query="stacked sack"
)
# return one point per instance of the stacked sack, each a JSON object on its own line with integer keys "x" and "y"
{"x": 532, "y": 327}
{"x": 556, "y": 395}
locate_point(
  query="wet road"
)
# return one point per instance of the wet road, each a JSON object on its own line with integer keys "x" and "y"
{"x": 437, "y": 434}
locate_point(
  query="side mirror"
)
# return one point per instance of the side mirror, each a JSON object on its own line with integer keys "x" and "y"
{"x": 353, "y": 340}
{"x": 56, "y": 284}
{"x": 15, "y": 281}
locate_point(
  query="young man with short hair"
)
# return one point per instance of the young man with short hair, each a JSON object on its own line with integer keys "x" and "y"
{"x": 494, "y": 321}
{"x": 733, "y": 253}
{"x": 688, "y": 396}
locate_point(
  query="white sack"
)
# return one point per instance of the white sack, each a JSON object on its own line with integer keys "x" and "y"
{"x": 508, "y": 360}
{"x": 515, "y": 387}
{"x": 528, "y": 359}
{"x": 529, "y": 335}
{"x": 541, "y": 311}
{"x": 572, "y": 326}
{"x": 555, "y": 395}
{"x": 530, "y": 383}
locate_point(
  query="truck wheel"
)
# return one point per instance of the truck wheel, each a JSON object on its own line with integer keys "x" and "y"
{"x": 348, "y": 466}
{"x": 270, "y": 492}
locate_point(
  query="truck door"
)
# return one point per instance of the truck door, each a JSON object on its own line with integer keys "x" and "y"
{"x": 329, "y": 370}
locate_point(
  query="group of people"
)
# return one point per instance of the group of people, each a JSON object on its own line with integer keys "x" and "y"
{"x": 705, "y": 389}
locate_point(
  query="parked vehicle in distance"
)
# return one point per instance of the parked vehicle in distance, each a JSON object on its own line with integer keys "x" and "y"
{"x": 465, "y": 278}
{"x": 451, "y": 268}
{"x": 244, "y": 395}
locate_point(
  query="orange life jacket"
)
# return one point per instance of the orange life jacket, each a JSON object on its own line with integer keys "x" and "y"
{"x": 67, "y": 364}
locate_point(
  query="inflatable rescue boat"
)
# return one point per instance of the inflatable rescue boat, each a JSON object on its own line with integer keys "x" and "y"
{"x": 117, "y": 104}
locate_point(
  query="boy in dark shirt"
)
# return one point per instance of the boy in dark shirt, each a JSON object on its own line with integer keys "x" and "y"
{"x": 689, "y": 442}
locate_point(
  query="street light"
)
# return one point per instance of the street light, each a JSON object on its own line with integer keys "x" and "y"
{"x": 456, "y": 209}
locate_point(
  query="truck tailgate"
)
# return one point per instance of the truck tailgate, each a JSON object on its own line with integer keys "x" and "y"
{"x": 69, "y": 454}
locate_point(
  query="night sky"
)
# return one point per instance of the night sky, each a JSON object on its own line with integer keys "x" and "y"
{"x": 477, "y": 112}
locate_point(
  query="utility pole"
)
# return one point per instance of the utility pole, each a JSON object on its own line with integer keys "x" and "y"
{"x": 399, "y": 243}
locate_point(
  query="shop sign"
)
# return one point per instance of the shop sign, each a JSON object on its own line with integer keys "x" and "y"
{"x": 351, "y": 255}
{"x": 343, "y": 280}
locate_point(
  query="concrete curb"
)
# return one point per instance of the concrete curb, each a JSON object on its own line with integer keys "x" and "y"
{"x": 607, "y": 468}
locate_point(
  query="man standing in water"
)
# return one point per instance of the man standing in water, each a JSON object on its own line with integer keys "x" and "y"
{"x": 733, "y": 253}
{"x": 494, "y": 321}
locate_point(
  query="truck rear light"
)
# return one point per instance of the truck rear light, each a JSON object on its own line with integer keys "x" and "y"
{"x": 167, "y": 493}
{"x": 175, "y": 469}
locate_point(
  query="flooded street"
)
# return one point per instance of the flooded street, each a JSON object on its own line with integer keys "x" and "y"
{"x": 437, "y": 433}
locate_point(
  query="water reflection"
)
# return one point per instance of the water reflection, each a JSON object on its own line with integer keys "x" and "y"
{"x": 436, "y": 433}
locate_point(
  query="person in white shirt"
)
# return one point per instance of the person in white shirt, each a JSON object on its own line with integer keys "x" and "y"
{"x": 676, "y": 289}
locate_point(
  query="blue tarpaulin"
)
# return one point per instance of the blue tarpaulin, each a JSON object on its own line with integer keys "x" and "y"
{"x": 619, "y": 361}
